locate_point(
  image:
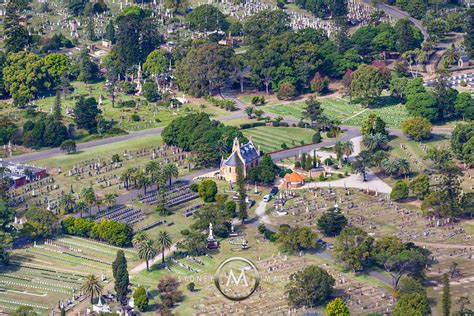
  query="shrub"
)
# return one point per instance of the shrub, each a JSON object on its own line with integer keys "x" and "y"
{"x": 135, "y": 117}
{"x": 284, "y": 146}
{"x": 140, "y": 298}
{"x": 317, "y": 137}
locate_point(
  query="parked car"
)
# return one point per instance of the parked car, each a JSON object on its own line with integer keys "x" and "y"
{"x": 267, "y": 198}
{"x": 274, "y": 191}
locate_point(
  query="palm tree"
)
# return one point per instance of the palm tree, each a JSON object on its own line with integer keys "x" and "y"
{"x": 67, "y": 201}
{"x": 142, "y": 180}
{"x": 138, "y": 238}
{"x": 91, "y": 286}
{"x": 81, "y": 207}
{"x": 347, "y": 148}
{"x": 190, "y": 160}
{"x": 171, "y": 171}
{"x": 153, "y": 169}
{"x": 375, "y": 142}
{"x": 403, "y": 166}
{"x": 88, "y": 195}
{"x": 339, "y": 150}
{"x": 147, "y": 251}
{"x": 390, "y": 166}
{"x": 249, "y": 111}
{"x": 362, "y": 163}
{"x": 110, "y": 199}
{"x": 127, "y": 176}
{"x": 164, "y": 242}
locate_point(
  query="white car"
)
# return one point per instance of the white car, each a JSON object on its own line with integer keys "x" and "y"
{"x": 267, "y": 198}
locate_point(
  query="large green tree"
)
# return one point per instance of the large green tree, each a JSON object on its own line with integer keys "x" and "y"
{"x": 353, "y": 246}
{"x": 310, "y": 287}
{"x": 367, "y": 83}
{"x": 85, "y": 114}
{"x": 205, "y": 69}
{"x": 207, "y": 18}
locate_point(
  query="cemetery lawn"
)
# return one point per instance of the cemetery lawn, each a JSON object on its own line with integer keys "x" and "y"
{"x": 42, "y": 276}
{"x": 163, "y": 116}
{"x": 342, "y": 110}
{"x": 271, "y": 138}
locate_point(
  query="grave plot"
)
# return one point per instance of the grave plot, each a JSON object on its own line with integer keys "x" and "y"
{"x": 373, "y": 212}
{"x": 175, "y": 195}
{"x": 51, "y": 273}
{"x": 121, "y": 213}
{"x": 100, "y": 167}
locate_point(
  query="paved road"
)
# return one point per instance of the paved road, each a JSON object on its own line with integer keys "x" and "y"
{"x": 399, "y": 14}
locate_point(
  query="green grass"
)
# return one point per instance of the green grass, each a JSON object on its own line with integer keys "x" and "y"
{"x": 340, "y": 109}
{"x": 270, "y": 138}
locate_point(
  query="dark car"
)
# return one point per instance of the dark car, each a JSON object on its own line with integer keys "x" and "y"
{"x": 274, "y": 191}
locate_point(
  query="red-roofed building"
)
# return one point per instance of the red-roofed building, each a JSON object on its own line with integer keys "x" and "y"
{"x": 294, "y": 180}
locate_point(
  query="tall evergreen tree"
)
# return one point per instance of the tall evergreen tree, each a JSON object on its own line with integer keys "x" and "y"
{"x": 16, "y": 35}
{"x": 120, "y": 273}
{"x": 446, "y": 299}
{"x": 57, "y": 107}
{"x": 110, "y": 31}
{"x": 241, "y": 191}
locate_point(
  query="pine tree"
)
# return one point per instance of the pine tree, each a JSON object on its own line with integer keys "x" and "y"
{"x": 110, "y": 31}
{"x": 120, "y": 273}
{"x": 446, "y": 299}
{"x": 241, "y": 190}
{"x": 57, "y": 107}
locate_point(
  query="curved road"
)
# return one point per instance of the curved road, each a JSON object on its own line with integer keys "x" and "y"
{"x": 399, "y": 14}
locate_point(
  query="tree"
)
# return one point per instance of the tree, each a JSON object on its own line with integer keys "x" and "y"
{"x": 347, "y": 85}
{"x": 418, "y": 128}
{"x": 207, "y": 190}
{"x": 7, "y": 215}
{"x": 110, "y": 199}
{"x": 362, "y": 163}
{"x": 92, "y": 287}
{"x": 375, "y": 142}
{"x": 462, "y": 142}
{"x": 120, "y": 273}
{"x": 176, "y": 5}
{"x": 337, "y": 307}
{"x": 310, "y": 287}
{"x": 170, "y": 171}
{"x": 367, "y": 83}
{"x": 353, "y": 246}
{"x": 24, "y": 76}
{"x": 313, "y": 110}
{"x": 446, "y": 298}
{"x": 400, "y": 191}
{"x": 412, "y": 304}
{"x": 332, "y": 222}
{"x": 319, "y": 84}
{"x": 40, "y": 224}
{"x": 140, "y": 298}
{"x": 269, "y": 22}
{"x": 445, "y": 98}
{"x": 137, "y": 36}
{"x": 110, "y": 31}
{"x": 464, "y": 105}
{"x": 69, "y": 146}
{"x": 147, "y": 251}
{"x": 207, "y": 18}
{"x": 150, "y": 92}
{"x": 408, "y": 261}
{"x": 89, "y": 71}
{"x": 16, "y": 35}
{"x": 293, "y": 239}
{"x": 241, "y": 191}
{"x": 168, "y": 291}
{"x": 408, "y": 285}
{"x": 408, "y": 36}
{"x": 156, "y": 63}
{"x": 68, "y": 202}
{"x": 286, "y": 91}
{"x": 372, "y": 125}
{"x": 205, "y": 68}
{"x": 85, "y": 113}
{"x": 164, "y": 243}
{"x": 25, "y": 311}
{"x": 420, "y": 186}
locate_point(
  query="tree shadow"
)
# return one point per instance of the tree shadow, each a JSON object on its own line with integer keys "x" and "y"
{"x": 384, "y": 101}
